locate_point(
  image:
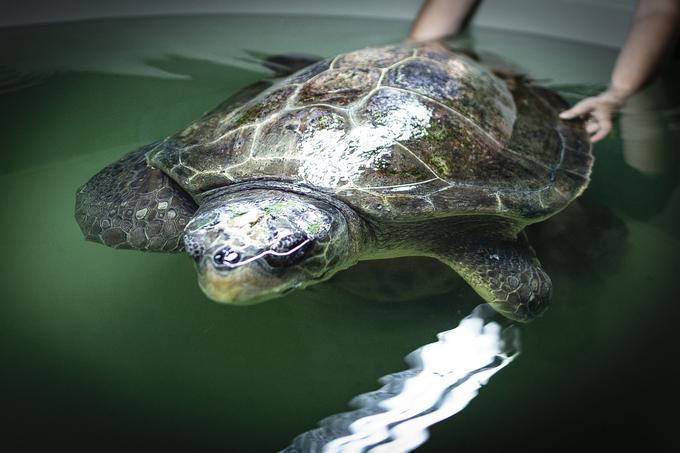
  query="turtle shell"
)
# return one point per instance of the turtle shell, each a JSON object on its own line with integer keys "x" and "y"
{"x": 396, "y": 132}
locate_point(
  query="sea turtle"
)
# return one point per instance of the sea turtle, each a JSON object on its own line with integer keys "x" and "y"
{"x": 383, "y": 152}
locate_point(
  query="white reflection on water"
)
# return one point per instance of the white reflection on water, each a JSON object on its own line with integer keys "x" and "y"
{"x": 443, "y": 378}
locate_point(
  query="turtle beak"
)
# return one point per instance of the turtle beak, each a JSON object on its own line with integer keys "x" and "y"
{"x": 244, "y": 285}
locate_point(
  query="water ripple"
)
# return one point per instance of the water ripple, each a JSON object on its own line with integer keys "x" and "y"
{"x": 443, "y": 378}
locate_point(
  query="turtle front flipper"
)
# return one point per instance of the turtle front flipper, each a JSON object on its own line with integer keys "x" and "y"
{"x": 133, "y": 206}
{"x": 505, "y": 272}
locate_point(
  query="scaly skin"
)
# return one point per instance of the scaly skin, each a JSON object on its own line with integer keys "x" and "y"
{"x": 504, "y": 271}
{"x": 491, "y": 254}
{"x": 130, "y": 205}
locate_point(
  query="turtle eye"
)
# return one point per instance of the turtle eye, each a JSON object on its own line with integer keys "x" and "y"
{"x": 226, "y": 257}
{"x": 289, "y": 250}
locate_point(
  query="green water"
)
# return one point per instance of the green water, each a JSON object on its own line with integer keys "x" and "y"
{"x": 118, "y": 350}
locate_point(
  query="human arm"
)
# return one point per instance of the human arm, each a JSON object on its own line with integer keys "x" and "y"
{"x": 653, "y": 33}
{"x": 439, "y": 18}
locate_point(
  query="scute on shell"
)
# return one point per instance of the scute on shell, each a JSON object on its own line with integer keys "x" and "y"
{"x": 397, "y": 132}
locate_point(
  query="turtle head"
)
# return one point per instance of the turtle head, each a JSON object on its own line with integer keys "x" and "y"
{"x": 255, "y": 245}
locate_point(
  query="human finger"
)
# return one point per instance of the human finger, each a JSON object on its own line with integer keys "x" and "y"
{"x": 592, "y": 126}
{"x": 604, "y": 130}
{"x": 603, "y": 119}
{"x": 580, "y": 108}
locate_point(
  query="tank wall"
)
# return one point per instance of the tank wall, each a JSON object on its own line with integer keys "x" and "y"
{"x": 602, "y": 22}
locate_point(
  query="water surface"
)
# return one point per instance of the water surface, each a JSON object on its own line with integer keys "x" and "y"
{"x": 117, "y": 350}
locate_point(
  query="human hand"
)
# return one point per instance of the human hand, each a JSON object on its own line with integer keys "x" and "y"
{"x": 439, "y": 18}
{"x": 599, "y": 110}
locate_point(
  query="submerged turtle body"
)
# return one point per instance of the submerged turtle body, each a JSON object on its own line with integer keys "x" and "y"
{"x": 395, "y": 132}
{"x": 377, "y": 153}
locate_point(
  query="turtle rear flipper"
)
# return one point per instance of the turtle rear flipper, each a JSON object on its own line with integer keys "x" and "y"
{"x": 133, "y": 206}
{"x": 505, "y": 272}
{"x": 283, "y": 64}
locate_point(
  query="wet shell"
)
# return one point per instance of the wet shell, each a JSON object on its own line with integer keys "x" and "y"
{"x": 397, "y": 132}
